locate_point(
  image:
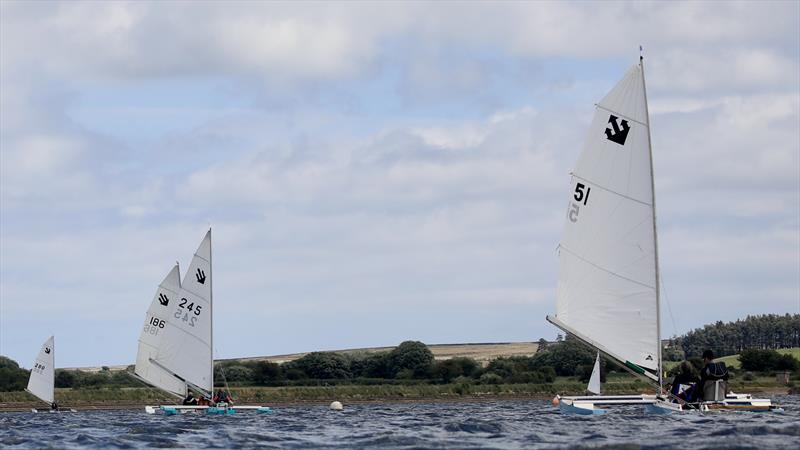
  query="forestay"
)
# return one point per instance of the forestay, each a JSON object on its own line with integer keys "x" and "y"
{"x": 42, "y": 380}
{"x": 607, "y": 275}
{"x": 175, "y": 345}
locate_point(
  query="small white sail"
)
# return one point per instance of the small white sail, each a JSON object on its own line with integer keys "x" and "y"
{"x": 594, "y": 381}
{"x": 154, "y": 350}
{"x": 607, "y": 275}
{"x": 42, "y": 380}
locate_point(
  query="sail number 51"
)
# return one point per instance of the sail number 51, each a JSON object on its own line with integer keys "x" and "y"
{"x": 581, "y": 195}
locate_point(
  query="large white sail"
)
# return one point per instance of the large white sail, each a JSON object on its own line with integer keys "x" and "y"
{"x": 607, "y": 275}
{"x": 189, "y": 330}
{"x": 153, "y": 347}
{"x": 42, "y": 380}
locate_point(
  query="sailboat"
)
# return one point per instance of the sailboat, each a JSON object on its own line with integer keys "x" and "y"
{"x": 41, "y": 383}
{"x": 42, "y": 380}
{"x": 608, "y": 286}
{"x": 175, "y": 344}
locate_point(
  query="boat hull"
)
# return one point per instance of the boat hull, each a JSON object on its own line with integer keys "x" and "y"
{"x": 172, "y": 410}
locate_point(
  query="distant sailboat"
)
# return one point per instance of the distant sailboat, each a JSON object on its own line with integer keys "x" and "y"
{"x": 594, "y": 380}
{"x": 175, "y": 345}
{"x": 608, "y": 285}
{"x": 42, "y": 380}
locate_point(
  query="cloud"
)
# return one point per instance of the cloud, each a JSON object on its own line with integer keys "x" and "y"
{"x": 375, "y": 172}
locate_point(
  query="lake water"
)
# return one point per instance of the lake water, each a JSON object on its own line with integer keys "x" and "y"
{"x": 499, "y": 424}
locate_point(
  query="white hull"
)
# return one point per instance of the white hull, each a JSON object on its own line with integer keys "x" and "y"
{"x": 589, "y": 405}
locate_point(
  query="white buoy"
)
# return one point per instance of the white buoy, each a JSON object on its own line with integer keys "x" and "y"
{"x": 336, "y": 406}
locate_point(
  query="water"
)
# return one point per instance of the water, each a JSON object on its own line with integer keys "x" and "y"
{"x": 500, "y": 424}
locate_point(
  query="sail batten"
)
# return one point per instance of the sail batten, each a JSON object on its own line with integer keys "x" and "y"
{"x": 607, "y": 287}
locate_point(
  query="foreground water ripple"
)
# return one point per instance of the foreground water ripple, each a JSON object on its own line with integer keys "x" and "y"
{"x": 500, "y": 424}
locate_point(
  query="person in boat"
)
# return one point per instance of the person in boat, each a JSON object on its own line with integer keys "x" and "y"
{"x": 204, "y": 401}
{"x": 54, "y": 406}
{"x": 712, "y": 371}
{"x": 684, "y": 383}
{"x": 190, "y": 400}
{"x": 223, "y": 397}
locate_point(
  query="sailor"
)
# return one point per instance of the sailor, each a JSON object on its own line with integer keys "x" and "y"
{"x": 223, "y": 397}
{"x": 190, "y": 400}
{"x": 684, "y": 382}
{"x": 54, "y": 406}
{"x": 204, "y": 401}
{"x": 711, "y": 372}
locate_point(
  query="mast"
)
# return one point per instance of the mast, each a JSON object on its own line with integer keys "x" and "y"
{"x": 211, "y": 306}
{"x": 655, "y": 234}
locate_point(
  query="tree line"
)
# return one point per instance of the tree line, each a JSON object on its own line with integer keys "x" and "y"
{"x": 760, "y": 332}
{"x": 410, "y": 362}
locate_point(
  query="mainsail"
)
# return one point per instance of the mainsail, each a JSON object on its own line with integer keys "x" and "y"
{"x": 607, "y": 289}
{"x": 42, "y": 380}
{"x": 178, "y": 352}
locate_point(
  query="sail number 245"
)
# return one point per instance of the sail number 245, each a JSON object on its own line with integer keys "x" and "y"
{"x": 581, "y": 195}
{"x": 184, "y": 309}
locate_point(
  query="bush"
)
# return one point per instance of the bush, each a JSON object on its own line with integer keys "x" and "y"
{"x": 491, "y": 378}
{"x": 322, "y": 365}
{"x": 413, "y": 356}
{"x": 453, "y": 368}
{"x": 767, "y": 360}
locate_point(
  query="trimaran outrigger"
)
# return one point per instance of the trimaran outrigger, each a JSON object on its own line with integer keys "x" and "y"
{"x": 608, "y": 286}
{"x": 176, "y": 344}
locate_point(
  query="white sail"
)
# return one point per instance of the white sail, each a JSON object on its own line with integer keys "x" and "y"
{"x": 175, "y": 344}
{"x": 594, "y": 381}
{"x": 42, "y": 380}
{"x": 607, "y": 275}
{"x": 154, "y": 346}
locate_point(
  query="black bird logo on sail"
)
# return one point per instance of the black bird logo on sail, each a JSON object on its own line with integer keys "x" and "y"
{"x": 619, "y": 131}
{"x": 163, "y": 299}
{"x": 201, "y": 276}
{"x": 47, "y": 350}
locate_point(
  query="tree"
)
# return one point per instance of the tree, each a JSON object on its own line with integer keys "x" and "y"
{"x": 322, "y": 365}
{"x": 12, "y": 377}
{"x": 450, "y": 369}
{"x": 413, "y": 358}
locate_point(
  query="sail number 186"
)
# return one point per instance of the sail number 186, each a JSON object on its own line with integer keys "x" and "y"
{"x": 581, "y": 195}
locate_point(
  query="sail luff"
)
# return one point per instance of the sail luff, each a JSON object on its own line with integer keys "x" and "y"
{"x": 655, "y": 234}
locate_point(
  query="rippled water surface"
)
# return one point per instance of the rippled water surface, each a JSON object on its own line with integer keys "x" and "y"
{"x": 501, "y": 424}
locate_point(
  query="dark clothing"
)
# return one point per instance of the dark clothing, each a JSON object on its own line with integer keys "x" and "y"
{"x": 685, "y": 379}
{"x": 190, "y": 400}
{"x": 711, "y": 372}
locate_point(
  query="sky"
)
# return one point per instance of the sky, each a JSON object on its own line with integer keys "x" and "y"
{"x": 376, "y": 172}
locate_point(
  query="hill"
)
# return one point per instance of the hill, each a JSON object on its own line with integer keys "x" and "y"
{"x": 480, "y": 352}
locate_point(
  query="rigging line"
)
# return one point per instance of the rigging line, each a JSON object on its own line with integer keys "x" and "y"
{"x": 669, "y": 306}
